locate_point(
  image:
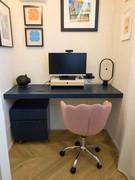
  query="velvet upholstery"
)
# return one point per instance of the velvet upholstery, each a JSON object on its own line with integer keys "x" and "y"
{"x": 84, "y": 119}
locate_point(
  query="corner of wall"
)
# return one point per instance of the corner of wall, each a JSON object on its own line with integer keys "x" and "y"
{"x": 9, "y": 138}
{"x": 114, "y": 140}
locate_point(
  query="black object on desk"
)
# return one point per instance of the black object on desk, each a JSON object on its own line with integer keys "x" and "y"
{"x": 23, "y": 80}
{"x": 69, "y": 50}
{"x": 67, "y": 77}
{"x": 89, "y": 76}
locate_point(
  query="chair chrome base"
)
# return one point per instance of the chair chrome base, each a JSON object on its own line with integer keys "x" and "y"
{"x": 82, "y": 147}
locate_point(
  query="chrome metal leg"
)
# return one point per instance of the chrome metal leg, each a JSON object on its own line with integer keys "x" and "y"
{"x": 94, "y": 156}
{"x": 76, "y": 159}
{"x": 71, "y": 147}
{"x": 82, "y": 147}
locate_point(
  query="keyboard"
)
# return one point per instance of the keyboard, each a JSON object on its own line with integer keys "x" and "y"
{"x": 67, "y": 77}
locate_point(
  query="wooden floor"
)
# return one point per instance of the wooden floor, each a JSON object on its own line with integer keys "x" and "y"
{"x": 41, "y": 160}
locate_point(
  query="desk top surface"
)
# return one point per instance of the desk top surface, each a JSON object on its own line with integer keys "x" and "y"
{"x": 40, "y": 91}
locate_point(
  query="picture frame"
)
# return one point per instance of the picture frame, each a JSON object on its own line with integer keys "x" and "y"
{"x": 33, "y": 15}
{"x": 6, "y": 37}
{"x": 126, "y": 25}
{"x": 79, "y": 16}
{"x": 34, "y": 37}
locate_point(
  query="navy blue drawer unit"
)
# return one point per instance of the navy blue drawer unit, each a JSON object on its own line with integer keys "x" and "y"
{"x": 29, "y": 120}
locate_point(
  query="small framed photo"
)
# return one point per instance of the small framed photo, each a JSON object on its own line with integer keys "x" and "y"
{"x": 79, "y": 15}
{"x": 34, "y": 37}
{"x": 126, "y": 25}
{"x": 33, "y": 15}
{"x": 6, "y": 38}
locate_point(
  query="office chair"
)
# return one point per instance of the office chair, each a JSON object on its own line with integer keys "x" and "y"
{"x": 84, "y": 120}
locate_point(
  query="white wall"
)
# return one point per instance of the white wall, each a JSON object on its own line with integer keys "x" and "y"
{"x": 4, "y": 159}
{"x": 6, "y": 78}
{"x": 122, "y": 131}
{"x": 34, "y": 61}
{"x": 122, "y": 51}
{"x": 98, "y": 45}
{"x": 127, "y": 160}
{"x": 6, "y": 82}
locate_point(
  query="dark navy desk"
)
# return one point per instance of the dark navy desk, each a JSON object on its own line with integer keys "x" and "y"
{"x": 29, "y": 115}
{"x": 46, "y": 92}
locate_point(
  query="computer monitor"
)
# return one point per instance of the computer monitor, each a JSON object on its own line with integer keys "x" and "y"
{"x": 67, "y": 64}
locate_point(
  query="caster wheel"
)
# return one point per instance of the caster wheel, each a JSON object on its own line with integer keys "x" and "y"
{"x": 73, "y": 170}
{"x": 62, "y": 153}
{"x": 99, "y": 166}
{"x": 97, "y": 149}
{"x": 77, "y": 143}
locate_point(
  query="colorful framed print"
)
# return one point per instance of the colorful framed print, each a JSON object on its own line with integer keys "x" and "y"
{"x": 126, "y": 25}
{"x": 33, "y": 15}
{"x": 6, "y": 38}
{"x": 34, "y": 37}
{"x": 79, "y": 15}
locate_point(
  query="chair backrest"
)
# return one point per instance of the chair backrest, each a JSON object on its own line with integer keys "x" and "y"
{"x": 85, "y": 119}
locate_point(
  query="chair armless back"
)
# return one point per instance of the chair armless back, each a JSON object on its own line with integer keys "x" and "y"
{"x": 85, "y": 119}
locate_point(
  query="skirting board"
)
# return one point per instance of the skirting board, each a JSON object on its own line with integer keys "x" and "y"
{"x": 114, "y": 141}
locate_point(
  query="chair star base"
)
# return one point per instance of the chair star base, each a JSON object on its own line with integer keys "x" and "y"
{"x": 82, "y": 148}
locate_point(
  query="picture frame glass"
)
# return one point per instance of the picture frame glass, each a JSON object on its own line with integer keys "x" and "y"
{"x": 6, "y": 39}
{"x": 34, "y": 37}
{"x": 79, "y": 15}
{"x": 33, "y": 15}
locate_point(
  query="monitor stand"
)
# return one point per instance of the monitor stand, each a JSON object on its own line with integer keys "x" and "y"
{"x": 76, "y": 81}
{"x": 67, "y": 77}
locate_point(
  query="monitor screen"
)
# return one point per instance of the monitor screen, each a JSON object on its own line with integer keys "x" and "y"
{"x": 67, "y": 63}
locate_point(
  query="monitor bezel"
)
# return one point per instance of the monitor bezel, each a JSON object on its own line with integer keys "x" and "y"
{"x": 58, "y": 75}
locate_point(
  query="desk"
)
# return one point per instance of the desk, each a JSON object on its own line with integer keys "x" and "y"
{"x": 29, "y": 121}
{"x": 47, "y": 92}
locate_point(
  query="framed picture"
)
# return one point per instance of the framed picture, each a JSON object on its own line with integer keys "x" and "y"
{"x": 79, "y": 15}
{"x": 126, "y": 25}
{"x": 34, "y": 37}
{"x": 6, "y": 38}
{"x": 33, "y": 15}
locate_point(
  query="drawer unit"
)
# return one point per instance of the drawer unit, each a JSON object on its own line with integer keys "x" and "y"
{"x": 29, "y": 120}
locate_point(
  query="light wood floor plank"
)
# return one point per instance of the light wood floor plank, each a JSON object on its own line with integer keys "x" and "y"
{"x": 41, "y": 160}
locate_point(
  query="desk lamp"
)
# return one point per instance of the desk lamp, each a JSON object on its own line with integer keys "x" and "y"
{"x": 106, "y": 70}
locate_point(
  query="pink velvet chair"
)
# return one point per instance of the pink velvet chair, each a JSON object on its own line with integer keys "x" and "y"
{"x": 85, "y": 120}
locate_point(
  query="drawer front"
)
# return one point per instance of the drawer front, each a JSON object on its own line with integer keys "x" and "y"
{"x": 27, "y": 115}
{"x": 26, "y": 131}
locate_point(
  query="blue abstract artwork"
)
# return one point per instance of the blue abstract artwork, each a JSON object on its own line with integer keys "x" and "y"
{"x": 34, "y": 36}
{"x": 79, "y": 10}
